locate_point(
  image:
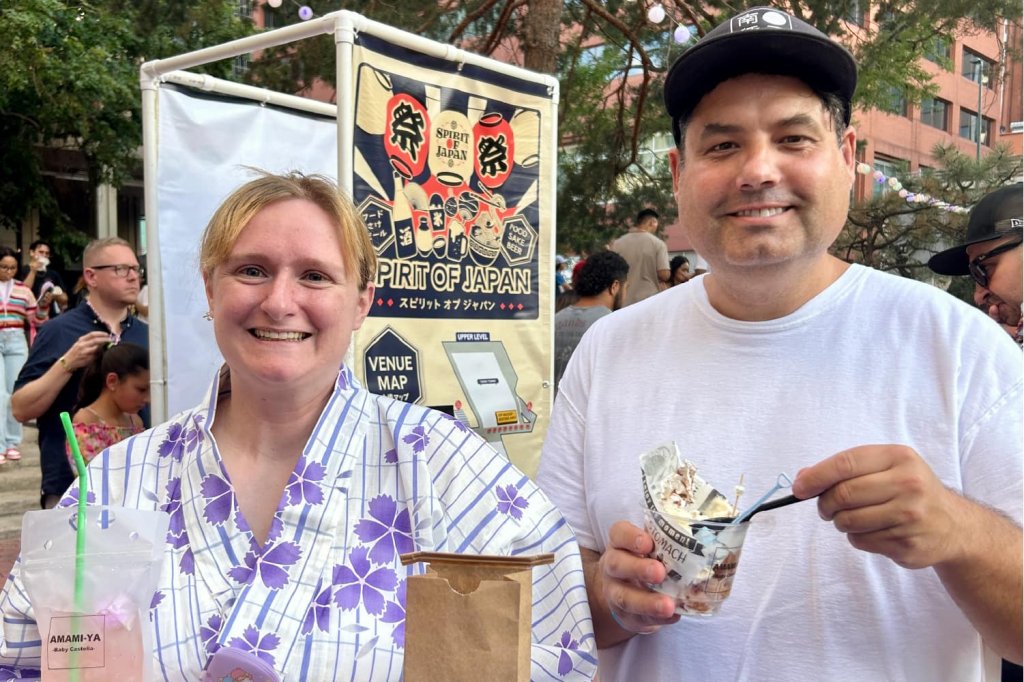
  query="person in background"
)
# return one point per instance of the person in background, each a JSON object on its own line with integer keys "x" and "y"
{"x": 679, "y": 270}
{"x": 66, "y": 345}
{"x": 292, "y": 491}
{"x": 562, "y": 281}
{"x": 45, "y": 282}
{"x": 647, "y": 256}
{"x": 991, "y": 254}
{"x": 114, "y": 388}
{"x": 877, "y": 393}
{"x": 601, "y": 285}
{"x": 18, "y": 314}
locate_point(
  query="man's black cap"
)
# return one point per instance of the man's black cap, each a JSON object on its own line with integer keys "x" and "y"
{"x": 997, "y": 215}
{"x": 760, "y": 40}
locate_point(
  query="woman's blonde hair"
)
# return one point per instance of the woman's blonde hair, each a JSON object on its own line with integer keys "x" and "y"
{"x": 244, "y": 203}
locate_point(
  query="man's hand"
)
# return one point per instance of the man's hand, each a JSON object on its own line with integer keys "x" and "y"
{"x": 84, "y": 350}
{"x": 620, "y": 585}
{"x": 888, "y": 501}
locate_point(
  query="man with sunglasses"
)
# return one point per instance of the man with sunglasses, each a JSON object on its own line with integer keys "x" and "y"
{"x": 992, "y": 256}
{"x": 48, "y": 383}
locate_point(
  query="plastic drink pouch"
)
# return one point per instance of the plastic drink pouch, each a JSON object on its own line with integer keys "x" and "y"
{"x": 98, "y": 629}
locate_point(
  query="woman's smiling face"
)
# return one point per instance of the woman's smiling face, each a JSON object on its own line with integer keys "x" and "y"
{"x": 284, "y": 307}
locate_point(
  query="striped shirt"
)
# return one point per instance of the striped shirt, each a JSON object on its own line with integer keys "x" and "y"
{"x": 18, "y": 310}
{"x": 324, "y": 597}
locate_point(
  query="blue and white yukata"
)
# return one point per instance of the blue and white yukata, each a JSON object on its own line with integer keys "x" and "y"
{"x": 324, "y": 597}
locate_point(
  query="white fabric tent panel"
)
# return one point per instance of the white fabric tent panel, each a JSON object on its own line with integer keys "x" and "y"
{"x": 206, "y": 146}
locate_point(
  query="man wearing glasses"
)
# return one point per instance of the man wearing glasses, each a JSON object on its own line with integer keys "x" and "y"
{"x": 48, "y": 383}
{"x": 992, "y": 256}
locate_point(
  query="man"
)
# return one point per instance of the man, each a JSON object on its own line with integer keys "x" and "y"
{"x": 992, "y": 256}
{"x": 601, "y": 284}
{"x": 647, "y": 257}
{"x": 45, "y": 282}
{"x": 48, "y": 383}
{"x": 871, "y": 390}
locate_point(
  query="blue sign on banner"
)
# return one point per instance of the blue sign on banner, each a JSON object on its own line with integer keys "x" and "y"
{"x": 392, "y": 367}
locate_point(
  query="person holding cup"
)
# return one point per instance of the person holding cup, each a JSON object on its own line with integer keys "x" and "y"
{"x": 875, "y": 392}
{"x": 45, "y": 282}
{"x": 292, "y": 491}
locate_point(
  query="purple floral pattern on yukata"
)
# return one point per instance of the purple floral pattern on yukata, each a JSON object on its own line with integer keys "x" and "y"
{"x": 259, "y": 644}
{"x": 359, "y": 583}
{"x": 271, "y": 564}
{"x": 566, "y": 644}
{"x": 174, "y": 444}
{"x": 8, "y": 673}
{"x": 418, "y": 439}
{"x": 304, "y": 483}
{"x": 391, "y": 456}
{"x": 388, "y": 530}
{"x": 187, "y": 565}
{"x": 509, "y": 501}
{"x": 158, "y": 597}
{"x": 457, "y": 423}
{"x": 319, "y": 612}
{"x": 176, "y": 536}
{"x": 394, "y": 612}
{"x": 209, "y": 633}
{"x": 70, "y": 498}
{"x": 220, "y": 499}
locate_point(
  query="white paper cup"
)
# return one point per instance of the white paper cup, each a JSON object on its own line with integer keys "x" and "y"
{"x": 701, "y": 560}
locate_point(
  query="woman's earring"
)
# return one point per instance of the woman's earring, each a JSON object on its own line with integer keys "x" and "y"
{"x": 208, "y": 315}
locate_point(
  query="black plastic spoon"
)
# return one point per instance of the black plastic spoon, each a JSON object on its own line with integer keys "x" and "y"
{"x": 773, "y": 504}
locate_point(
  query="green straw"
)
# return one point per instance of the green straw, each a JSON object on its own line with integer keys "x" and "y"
{"x": 83, "y": 493}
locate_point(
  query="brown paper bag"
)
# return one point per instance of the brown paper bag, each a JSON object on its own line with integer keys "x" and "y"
{"x": 468, "y": 618}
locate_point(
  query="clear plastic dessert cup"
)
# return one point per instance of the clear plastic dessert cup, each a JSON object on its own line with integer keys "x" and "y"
{"x": 700, "y": 558}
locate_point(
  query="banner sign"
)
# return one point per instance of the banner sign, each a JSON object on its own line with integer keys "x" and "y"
{"x": 452, "y": 177}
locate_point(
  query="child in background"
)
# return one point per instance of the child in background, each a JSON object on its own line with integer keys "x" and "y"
{"x": 113, "y": 390}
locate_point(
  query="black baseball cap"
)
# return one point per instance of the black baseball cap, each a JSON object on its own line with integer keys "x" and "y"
{"x": 760, "y": 40}
{"x": 998, "y": 214}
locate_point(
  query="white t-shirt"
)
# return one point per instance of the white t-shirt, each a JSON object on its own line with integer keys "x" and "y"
{"x": 873, "y": 359}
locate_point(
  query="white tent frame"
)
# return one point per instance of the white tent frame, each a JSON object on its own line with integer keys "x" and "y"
{"x": 345, "y": 25}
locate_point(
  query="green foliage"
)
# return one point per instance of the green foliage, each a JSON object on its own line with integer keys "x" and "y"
{"x": 890, "y": 233}
{"x": 69, "y": 78}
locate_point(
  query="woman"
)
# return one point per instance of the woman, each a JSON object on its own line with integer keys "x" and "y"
{"x": 292, "y": 490}
{"x": 18, "y": 316}
{"x": 113, "y": 390}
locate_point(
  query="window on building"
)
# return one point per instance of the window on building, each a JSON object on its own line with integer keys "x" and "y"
{"x": 891, "y": 168}
{"x": 855, "y": 12}
{"x": 655, "y": 47}
{"x": 935, "y": 112}
{"x": 271, "y": 18}
{"x": 969, "y": 128}
{"x": 939, "y": 50}
{"x": 971, "y": 71}
{"x": 896, "y": 101}
{"x": 240, "y": 67}
{"x": 245, "y": 9}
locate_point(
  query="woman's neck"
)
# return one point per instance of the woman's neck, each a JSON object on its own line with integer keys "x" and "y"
{"x": 108, "y": 412}
{"x": 253, "y": 424}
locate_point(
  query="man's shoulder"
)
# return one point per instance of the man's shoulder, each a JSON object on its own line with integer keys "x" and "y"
{"x": 73, "y": 322}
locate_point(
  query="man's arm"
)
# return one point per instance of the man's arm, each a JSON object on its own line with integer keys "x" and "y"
{"x": 34, "y": 398}
{"x": 888, "y": 501}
